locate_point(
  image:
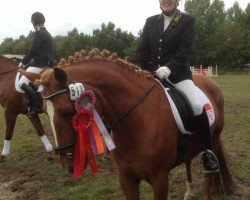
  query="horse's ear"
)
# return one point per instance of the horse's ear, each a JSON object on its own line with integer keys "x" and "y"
{"x": 60, "y": 75}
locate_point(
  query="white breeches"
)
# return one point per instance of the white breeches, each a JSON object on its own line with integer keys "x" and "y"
{"x": 188, "y": 88}
{"x": 23, "y": 79}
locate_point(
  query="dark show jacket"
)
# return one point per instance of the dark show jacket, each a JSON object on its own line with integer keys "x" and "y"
{"x": 169, "y": 48}
{"x": 41, "y": 50}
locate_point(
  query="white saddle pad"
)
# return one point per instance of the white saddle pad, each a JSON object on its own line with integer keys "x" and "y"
{"x": 17, "y": 83}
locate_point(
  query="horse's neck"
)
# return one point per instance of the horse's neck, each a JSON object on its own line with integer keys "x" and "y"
{"x": 116, "y": 91}
{"x": 7, "y": 65}
{"x": 7, "y": 72}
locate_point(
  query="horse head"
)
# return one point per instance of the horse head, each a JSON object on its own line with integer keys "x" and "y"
{"x": 60, "y": 110}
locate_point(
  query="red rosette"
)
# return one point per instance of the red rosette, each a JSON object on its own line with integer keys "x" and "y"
{"x": 82, "y": 152}
{"x": 81, "y": 121}
{"x": 82, "y": 116}
{"x": 91, "y": 98}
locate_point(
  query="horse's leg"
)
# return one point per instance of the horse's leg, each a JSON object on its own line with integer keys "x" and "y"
{"x": 189, "y": 193}
{"x": 160, "y": 186}
{"x": 10, "y": 119}
{"x": 130, "y": 186}
{"x": 35, "y": 120}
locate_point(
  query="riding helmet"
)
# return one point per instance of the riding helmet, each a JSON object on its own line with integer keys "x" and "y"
{"x": 37, "y": 18}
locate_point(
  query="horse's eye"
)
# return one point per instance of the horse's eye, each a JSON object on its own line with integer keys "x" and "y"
{"x": 69, "y": 112}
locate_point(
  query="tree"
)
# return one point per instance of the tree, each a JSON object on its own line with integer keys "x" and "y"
{"x": 228, "y": 43}
{"x": 208, "y": 18}
{"x": 67, "y": 45}
{"x": 114, "y": 40}
{"x": 7, "y": 46}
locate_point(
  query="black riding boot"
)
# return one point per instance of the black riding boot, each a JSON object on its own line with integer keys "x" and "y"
{"x": 36, "y": 106}
{"x": 203, "y": 129}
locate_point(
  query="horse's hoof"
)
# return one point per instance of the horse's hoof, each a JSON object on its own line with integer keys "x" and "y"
{"x": 49, "y": 157}
{"x": 189, "y": 198}
{"x": 2, "y": 158}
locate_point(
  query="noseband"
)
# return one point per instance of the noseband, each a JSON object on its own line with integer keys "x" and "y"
{"x": 60, "y": 150}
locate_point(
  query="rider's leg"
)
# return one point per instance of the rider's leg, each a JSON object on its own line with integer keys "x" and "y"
{"x": 36, "y": 105}
{"x": 201, "y": 123}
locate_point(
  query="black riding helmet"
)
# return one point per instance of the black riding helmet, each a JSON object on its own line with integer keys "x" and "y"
{"x": 37, "y": 18}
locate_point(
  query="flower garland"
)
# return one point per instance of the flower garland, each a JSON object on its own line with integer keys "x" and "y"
{"x": 176, "y": 18}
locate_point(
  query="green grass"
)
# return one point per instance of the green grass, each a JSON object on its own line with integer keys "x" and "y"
{"x": 26, "y": 171}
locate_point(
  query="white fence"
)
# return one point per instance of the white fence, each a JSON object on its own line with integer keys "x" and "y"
{"x": 205, "y": 71}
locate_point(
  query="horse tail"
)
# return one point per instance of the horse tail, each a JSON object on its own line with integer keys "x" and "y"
{"x": 227, "y": 186}
{"x": 228, "y": 183}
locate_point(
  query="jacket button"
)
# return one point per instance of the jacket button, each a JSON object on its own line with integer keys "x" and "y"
{"x": 159, "y": 57}
{"x": 160, "y": 49}
{"x": 160, "y": 40}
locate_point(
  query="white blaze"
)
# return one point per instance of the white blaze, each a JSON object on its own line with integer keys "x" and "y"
{"x": 50, "y": 111}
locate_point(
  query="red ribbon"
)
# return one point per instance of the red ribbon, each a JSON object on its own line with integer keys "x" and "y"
{"x": 83, "y": 152}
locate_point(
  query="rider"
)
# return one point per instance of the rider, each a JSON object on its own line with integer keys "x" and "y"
{"x": 40, "y": 55}
{"x": 165, "y": 47}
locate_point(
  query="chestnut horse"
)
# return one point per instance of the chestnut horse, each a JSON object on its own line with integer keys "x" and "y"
{"x": 15, "y": 103}
{"x": 133, "y": 104}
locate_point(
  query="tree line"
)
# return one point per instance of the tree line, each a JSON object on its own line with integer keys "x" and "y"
{"x": 222, "y": 37}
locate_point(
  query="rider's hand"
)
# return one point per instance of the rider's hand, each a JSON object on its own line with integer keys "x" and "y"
{"x": 163, "y": 72}
{"x": 21, "y": 65}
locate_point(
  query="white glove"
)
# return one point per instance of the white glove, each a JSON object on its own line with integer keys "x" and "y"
{"x": 163, "y": 72}
{"x": 21, "y": 65}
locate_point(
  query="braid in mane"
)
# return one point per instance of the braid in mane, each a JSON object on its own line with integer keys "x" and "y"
{"x": 95, "y": 54}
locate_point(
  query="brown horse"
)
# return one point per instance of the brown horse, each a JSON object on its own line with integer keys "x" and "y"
{"x": 15, "y": 103}
{"x": 135, "y": 107}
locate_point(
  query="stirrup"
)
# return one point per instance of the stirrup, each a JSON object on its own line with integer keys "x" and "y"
{"x": 201, "y": 161}
{"x": 34, "y": 111}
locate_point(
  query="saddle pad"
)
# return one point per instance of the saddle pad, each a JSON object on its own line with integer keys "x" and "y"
{"x": 179, "y": 121}
{"x": 17, "y": 86}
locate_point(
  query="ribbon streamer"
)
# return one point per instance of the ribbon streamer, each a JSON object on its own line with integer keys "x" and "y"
{"x": 83, "y": 151}
{"x": 89, "y": 129}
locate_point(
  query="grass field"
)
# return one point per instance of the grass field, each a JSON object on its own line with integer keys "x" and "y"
{"x": 26, "y": 176}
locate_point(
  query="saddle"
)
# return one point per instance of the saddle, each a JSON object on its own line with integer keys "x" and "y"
{"x": 183, "y": 113}
{"x": 182, "y": 110}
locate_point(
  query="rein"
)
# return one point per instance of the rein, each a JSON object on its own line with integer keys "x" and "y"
{"x": 136, "y": 104}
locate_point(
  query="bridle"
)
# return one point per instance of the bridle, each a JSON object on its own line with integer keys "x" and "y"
{"x": 60, "y": 150}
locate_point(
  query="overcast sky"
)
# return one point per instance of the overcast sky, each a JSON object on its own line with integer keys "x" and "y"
{"x": 85, "y": 15}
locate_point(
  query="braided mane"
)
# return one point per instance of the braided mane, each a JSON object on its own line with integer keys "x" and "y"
{"x": 95, "y": 54}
